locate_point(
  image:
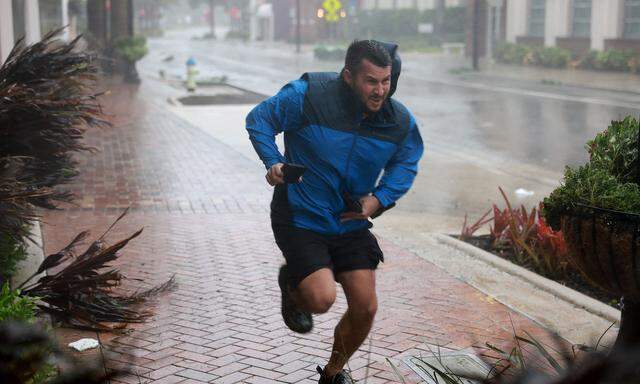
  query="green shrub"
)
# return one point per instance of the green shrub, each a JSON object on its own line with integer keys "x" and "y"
{"x": 389, "y": 24}
{"x": 323, "y": 52}
{"x": 386, "y": 24}
{"x": 607, "y": 181}
{"x": 13, "y": 306}
{"x": 551, "y": 57}
{"x": 591, "y": 186}
{"x": 11, "y": 253}
{"x": 614, "y": 60}
{"x": 237, "y": 35}
{"x": 589, "y": 60}
{"x": 616, "y": 150}
{"x": 555, "y": 57}
{"x": 610, "y": 60}
{"x": 133, "y": 48}
{"x": 512, "y": 53}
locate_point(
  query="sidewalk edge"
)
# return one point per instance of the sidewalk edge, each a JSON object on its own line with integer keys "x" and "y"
{"x": 565, "y": 293}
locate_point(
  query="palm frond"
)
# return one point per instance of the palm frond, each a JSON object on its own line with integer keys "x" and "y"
{"x": 81, "y": 292}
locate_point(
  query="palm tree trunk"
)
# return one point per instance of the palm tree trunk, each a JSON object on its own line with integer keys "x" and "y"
{"x": 97, "y": 20}
{"x": 119, "y": 19}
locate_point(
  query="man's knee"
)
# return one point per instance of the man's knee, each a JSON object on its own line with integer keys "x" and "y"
{"x": 320, "y": 301}
{"x": 365, "y": 312}
{"x": 317, "y": 292}
{"x": 317, "y": 299}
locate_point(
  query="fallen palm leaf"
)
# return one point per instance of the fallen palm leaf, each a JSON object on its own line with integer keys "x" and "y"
{"x": 81, "y": 293}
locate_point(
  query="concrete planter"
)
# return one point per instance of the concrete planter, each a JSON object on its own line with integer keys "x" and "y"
{"x": 606, "y": 249}
{"x": 565, "y": 293}
{"x": 35, "y": 256}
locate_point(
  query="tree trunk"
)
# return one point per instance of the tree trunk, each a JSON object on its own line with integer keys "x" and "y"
{"x": 96, "y": 20}
{"x": 119, "y": 19}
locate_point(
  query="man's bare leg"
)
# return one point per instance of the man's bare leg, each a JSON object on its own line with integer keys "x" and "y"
{"x": 316, "y": 293}
{"x": 360, "y": 289}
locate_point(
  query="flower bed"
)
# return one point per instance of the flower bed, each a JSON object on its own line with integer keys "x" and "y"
{"x": 524, "y": 238}
{"x": 555, "y": 57}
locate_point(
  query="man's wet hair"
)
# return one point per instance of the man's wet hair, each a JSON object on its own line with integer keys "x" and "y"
{"x": 371, "y": 50}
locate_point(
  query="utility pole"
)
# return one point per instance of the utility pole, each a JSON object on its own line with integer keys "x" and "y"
{"x": 298, "y": 37}
{"x": 212, "y": 18}
{"x": 439, "y": 20}
{"x": 476, "y": 34}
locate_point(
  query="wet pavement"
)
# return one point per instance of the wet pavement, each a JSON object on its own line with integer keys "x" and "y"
{"x": 203, "y": 206}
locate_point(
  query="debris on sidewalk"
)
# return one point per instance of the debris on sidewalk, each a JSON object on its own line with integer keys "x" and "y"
{"x": 521, "y": 192}
{"x": 84, "y": 344}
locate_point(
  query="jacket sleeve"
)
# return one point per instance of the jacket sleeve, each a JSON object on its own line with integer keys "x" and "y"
{"x": 277, "y": 114}
{"x": 401, "y": 169}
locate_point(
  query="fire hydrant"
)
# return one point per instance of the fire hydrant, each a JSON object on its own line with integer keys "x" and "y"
{"x": 191, "y": 74}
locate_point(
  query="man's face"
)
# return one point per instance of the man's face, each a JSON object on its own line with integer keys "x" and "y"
{"x": 371, "y": 83}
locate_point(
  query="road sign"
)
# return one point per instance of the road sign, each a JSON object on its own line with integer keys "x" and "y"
{"x": 332, "y": 7}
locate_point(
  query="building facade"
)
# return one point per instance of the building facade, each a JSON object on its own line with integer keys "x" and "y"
{"x": 413, "y": 4}
{"x": 577, "y": 25}
{"x": 31, "y": 19}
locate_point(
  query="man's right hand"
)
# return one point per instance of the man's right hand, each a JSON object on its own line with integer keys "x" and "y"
{"x": 274, "y": 175}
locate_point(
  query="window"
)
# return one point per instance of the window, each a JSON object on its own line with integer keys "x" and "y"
{"x": 581, "y": 18}
{"x": 536, "y": 18}
{"x": 632, "y": 19}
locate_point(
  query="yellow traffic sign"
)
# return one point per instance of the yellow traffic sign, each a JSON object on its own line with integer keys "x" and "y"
{"x": 332, "y": 7}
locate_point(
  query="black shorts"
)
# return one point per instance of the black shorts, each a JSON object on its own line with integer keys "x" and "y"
{"x": 307, "y": 251}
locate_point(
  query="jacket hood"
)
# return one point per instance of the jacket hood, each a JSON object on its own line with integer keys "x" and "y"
{"x": 396, "y": 65}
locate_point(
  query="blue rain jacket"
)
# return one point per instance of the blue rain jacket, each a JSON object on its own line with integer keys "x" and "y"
{"x": 325, "y": 130}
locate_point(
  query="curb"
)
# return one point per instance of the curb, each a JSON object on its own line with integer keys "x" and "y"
{"x": 565, "y": 293}
{"x": 35, "y": 256}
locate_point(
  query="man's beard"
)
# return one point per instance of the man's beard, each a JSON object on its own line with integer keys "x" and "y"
{"x": 362, "y": 100}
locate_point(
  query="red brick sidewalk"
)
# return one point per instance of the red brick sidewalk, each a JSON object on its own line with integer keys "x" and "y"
{"x": 204, "y": 212}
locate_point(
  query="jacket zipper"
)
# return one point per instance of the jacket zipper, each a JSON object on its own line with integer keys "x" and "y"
{"x": 353, "y": 145}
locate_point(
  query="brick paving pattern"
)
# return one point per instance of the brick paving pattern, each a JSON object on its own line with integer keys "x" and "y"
{"x": 204, "y": 209}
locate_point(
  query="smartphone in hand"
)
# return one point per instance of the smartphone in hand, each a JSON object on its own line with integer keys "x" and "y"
{"x": 351, "y": 204}
{"x": 292, "y": 173}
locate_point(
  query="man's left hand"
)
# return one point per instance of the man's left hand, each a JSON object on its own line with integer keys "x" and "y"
{"x": 370, "y": 204}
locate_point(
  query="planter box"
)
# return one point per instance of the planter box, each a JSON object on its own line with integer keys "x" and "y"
{"x": 35, "y": 256}
{"x": 565, "y": 293}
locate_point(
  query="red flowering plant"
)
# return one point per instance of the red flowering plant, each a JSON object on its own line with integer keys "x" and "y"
{"x": 523, "y": 236}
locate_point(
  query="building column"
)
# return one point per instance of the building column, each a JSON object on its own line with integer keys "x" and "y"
{"x": 6, "y": 29}
{"x": 66, "y": 33}
{"x": 606, "y": 22}
{"x": 516, "y": 19}
{"x": 253, "y": 20}
{"x": 557, "y": 21}
{"x": 32, "y": 21}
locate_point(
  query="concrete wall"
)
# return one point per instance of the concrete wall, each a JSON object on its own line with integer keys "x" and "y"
{"x": 606, "y": 21}
{"x": 557, "y": 21}
{"x": 32, "y": 21}
{"x": 404, "y": 4}
{"x": 6, "y": 29}
{"x": 517, "y": 11}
